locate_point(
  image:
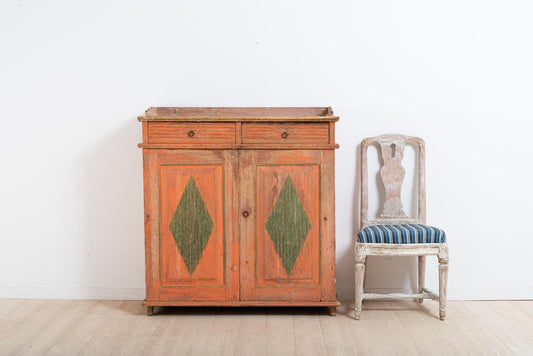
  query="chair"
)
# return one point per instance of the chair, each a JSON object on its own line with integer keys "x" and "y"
{"x": 393, "y": 233}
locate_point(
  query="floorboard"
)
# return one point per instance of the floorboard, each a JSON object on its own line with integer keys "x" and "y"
{"x": 89, "y": 327}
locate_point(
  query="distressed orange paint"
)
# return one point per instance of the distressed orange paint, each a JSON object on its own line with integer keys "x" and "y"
{"x": 239, "y": 159}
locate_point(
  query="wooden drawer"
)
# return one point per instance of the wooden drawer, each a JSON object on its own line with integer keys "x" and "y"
{"x": 191, "y": 132}
{"x": 285, "y": 132}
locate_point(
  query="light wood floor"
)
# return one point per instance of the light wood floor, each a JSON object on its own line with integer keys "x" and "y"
{"x": 72, "y": 327}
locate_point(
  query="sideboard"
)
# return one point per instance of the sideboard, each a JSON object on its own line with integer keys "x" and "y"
{"x": 239, "y": 206}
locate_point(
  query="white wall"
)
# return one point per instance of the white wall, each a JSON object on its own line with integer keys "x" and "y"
{"x": 74, "y": 75}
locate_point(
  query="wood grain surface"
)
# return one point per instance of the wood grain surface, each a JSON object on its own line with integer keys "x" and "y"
{"x": 216, "y": 276}
{"x": 239, "y": 114}
{"x": 104, "y": 327}
{"x": 285, "y": 133}
{"x": 191, "y": 132}
{"x": 263, "y": 276}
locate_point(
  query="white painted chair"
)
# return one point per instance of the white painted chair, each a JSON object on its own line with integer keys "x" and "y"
{"x": 393, "y": 233}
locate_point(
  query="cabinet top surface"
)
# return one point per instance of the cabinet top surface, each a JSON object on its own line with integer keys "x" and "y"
{"x": 304, "y": 114}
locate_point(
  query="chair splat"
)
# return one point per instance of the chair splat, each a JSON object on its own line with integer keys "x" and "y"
{"x": 392, "y": 174}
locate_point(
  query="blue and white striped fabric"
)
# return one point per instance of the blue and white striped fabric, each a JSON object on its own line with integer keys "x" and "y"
{"x": 402, "y": 234}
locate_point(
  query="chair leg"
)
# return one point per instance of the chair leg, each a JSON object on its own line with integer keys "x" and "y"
{"x": 421, "y": 275}
{"x": 359, "y": 280}
{"x": 443, "y": 281}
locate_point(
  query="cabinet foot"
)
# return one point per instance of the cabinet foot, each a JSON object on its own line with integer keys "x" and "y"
{"x": 332, "y": 311}
{"x": 149, "y": 311}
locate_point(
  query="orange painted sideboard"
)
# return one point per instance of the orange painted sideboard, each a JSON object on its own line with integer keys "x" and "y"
{"x": 239, "y": 206}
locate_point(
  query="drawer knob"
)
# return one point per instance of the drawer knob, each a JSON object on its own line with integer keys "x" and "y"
{"x": 284, "y": 135}
{"x": 191, "y": 133}
{"x": 246, "y": 213}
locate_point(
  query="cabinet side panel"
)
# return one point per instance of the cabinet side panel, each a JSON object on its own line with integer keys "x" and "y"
{"x": 151, "y": 225}
{"x": 327, "y": 187}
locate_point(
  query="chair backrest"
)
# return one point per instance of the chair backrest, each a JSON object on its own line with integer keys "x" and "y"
{"x": 392, "y": 174}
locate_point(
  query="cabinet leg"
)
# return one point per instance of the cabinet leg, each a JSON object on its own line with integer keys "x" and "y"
{"x": 149, "y": 310}
{"x": 332, "y": 311}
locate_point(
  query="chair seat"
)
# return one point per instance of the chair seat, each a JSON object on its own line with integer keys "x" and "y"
{"x": 401, "y": 234}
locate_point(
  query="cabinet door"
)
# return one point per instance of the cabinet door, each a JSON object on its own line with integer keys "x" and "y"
{"x": 287, "y": 225}
{"x": 191, "y": 250}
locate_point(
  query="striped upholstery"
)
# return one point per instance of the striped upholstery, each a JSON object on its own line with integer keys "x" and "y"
{"x": 401, "y": 234}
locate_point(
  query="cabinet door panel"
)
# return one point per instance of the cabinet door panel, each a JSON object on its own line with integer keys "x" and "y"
{"x": 192, "y": 225}
{"x": 191, "y": 250}
{"x": 287, "y": 245}
{"x": 287, "y": 202}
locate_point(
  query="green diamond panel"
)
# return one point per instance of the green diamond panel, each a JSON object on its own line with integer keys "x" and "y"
{"x": 288, "y": 225}
{"x": 191, "y": 225}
